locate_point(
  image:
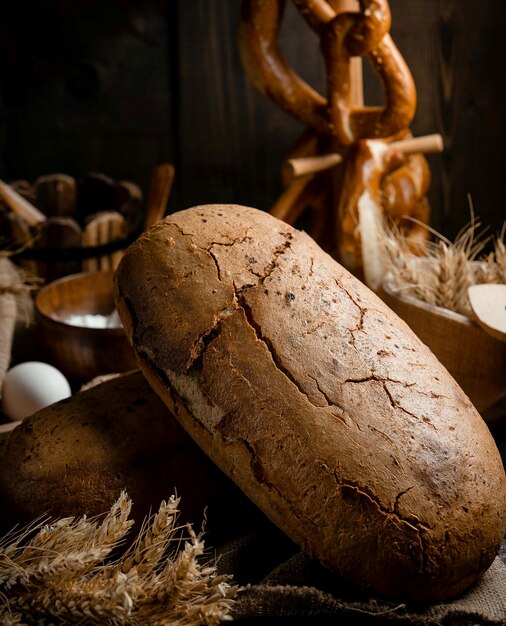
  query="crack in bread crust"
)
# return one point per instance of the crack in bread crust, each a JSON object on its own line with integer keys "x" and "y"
{"x": 278, "y": 361}
{"x": 325, "y": 409}
{"x": 258, "y": 471}
{"x": 414, "y": 524}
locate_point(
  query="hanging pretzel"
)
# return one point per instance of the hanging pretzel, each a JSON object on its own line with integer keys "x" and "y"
{"x": 267, "y": 68}
{"x": 342, "y": 36}
{"x": 338, "y": 124}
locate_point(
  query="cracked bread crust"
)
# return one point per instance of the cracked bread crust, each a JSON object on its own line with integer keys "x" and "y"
{"x": 316, "y": 399}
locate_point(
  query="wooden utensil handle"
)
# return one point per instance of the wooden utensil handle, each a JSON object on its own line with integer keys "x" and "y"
{"x": 159, "y": 192}
{"x": 310, "y": 165}
{"x": 20, "y": 206}
{"x": 425, "y": 144}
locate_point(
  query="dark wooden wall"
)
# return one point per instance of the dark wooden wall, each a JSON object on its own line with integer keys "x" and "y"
{"x": 119, "y": 86}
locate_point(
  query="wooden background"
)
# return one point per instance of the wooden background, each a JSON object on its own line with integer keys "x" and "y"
{"x": 120, "y": 86}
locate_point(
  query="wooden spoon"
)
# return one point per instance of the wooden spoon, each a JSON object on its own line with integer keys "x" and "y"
{"x": 488, "y": 303}
{"x": 159, "y": 192}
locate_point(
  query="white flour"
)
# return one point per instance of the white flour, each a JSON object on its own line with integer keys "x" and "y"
{"x": 89, "y": 320}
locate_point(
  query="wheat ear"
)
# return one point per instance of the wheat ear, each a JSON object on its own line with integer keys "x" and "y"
{"x": 64, "y": 573}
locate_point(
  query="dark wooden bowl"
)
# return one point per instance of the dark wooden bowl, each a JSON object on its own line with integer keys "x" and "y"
{"x": 81, "y": 353}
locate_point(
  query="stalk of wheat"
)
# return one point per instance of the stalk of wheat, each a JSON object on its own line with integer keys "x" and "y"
{"x": 442, "y": 273}
{"x": 65, "y": 572}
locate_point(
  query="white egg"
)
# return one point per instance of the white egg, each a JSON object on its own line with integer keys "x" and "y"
{"x": 30, "y": 386}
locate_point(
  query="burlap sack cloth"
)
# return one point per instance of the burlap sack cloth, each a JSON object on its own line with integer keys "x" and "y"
{"x": 284, "y": 586}
{"x": 10, "y": 286}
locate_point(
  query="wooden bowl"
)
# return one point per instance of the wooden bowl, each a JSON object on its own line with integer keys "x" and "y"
{"x": 475, "y": 359}
{"x": 81, "y": 352}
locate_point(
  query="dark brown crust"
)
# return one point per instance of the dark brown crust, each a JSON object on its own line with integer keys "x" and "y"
{"x": 76, "y": 456}
{"x": 316, "y": 400}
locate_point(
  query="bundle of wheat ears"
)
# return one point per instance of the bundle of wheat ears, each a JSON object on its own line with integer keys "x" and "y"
{"x": 442, "y": 272}
{"x": 69, "y": 572}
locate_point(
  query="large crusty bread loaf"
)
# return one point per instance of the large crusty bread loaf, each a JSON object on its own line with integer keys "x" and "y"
{"x": 76, "y": 456}
{"x": 315, "y": 399}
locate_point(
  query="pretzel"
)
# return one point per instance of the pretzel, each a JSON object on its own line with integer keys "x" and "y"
{"x": 395, "y": 183}
{"x": 339, "y": 161}
{"x": 342, "y": 35}
{"x": 267, "y": 68}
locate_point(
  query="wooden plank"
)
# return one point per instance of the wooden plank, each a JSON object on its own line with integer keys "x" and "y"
{"x": 452, "y": 50}
{"x": 86, "y": 87}
{"x": 232, "y": 139}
